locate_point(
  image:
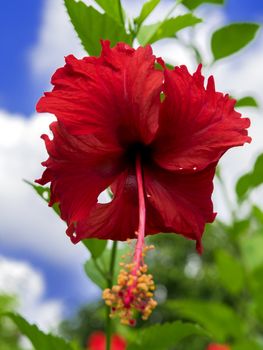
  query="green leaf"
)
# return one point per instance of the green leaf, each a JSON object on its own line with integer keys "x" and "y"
{"x": 258, "y": 214}
{"x": 91, "y": 269}
{"x": 232, "y": 38}
{"x": 7, "y": 303}
{"x": 251, "y": 180}
{"x": 95, "y": 246}
{"x": 218, "y": 319}
{"x": 243, "y": 185}
{"x": 44, "y": 193}
{"x": 39, "y": 339}
{"x": 193, "y": 4}
{"x": 230, "y": 272}
{"x": 102, "y": 263}
{"x": 164, "y": 336}
{"x": 149, "y": 34}
{"x": 113, "y": 8}
{"x": 92, "y": 26}
{"x": 251, "y": 247}
{"x": 238, "y": 227}
{"x": 147, "y": 8}
{"x": 247, "y": 101}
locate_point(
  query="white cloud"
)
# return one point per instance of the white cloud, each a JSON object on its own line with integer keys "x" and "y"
{"x": 27, "y": 284}
{"x": 26, "y": 220}
{"x": 56, "y": 40}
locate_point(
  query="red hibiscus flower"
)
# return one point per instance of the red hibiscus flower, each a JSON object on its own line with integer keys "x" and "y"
{"x": 97, "y": 341}
{"x": 218, "y": 347}
{"x": 157, "y": 155}
{"x": 109, "y": 113}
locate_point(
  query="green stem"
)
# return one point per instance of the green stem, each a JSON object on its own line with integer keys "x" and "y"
{"x": 110, "y": 283}
{"x": 226, "y": 197}
{"x": 178, "y": 2}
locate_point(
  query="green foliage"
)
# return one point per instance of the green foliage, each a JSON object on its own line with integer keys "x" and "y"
{"x": 247, "y": 345}
{"x": 92, "y": 269}
{"x": 7, "y": 303}
{"x": 218, "y": 319}
{"x": 44, "y": 193}
{"x": 113, "y": 8}
{"x": 164, "y": 336}
{"x": 147, "y": 8}
{"x": 251, "y": 248}
{"x": 232, "y": 38}
{"x": 247, "y": 101}
{"x": 95, "y": 246}
{"x": 251, "y": 180}
{"x": 9, "y": 339}
{"x": 39, "y": 339}
{"x": 92, "y": 26}
{"x": 193, "y": 4}
{"x": 258, "y": 214}
{"x": 97, "y": 269}
{"x": 149, "y": 34}
{"x": 230, "y": 272}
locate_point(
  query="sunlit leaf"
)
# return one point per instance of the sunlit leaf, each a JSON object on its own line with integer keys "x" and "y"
{"x": 258, "y": 214}
{"x": 230, "y": 272}
{"x": 95, "y": 246}
{"x": 218, "y": 319}
{"x": 147, "y": 8}
{"x": 250, "y": 180}
{"x": 232, "y": 38}
{"x": 113, "y": 8}
{"x": 149, "y": 34}
{"x": 44, "y": 193}
{"x": 92, "y": 26}
{"x": 39, "y": 339}
{"x": 165, "y": 336}
{"x": 193, "y": 4}
{"x": 247, "y": 101}
{"x": 7, "y": 303}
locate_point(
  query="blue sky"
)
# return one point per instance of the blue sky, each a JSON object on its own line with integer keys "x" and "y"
{"x": 20, "y": 23}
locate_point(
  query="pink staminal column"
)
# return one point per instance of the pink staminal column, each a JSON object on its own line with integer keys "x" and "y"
{"x": 134, "y": 289}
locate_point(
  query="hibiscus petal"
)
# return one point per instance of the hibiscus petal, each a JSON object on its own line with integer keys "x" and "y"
{"x": 118, "y": 220}
{"x": 197, "y": 124}
{"x": 79, "y": 169}
{"x": 117, "y": 93}
{"x": 183, "y": 200}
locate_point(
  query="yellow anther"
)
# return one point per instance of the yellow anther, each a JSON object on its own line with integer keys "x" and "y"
{"x": 132, "y": 294}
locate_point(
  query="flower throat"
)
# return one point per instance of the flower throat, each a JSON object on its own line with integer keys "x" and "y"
{"x": 134, "y": 290}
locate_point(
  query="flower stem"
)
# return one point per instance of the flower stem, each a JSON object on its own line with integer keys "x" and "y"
{"x": 110, "y": 283}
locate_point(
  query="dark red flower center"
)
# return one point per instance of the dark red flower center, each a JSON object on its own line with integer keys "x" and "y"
{"x": 138, "y": 149}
